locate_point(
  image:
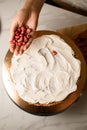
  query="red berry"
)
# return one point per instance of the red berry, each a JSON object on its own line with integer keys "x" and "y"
{"x": 28, "y": 36}
{"x": 25, "y": 39}
{"x": 22, "y": 35}
{"x": 23, "y": 28}
{"x": 53, "y": 52}
{"x": 19, "y": 29}
{"x": 28, "y": 30}
{"x": 25, "y": 34}
{"x": 22, "y": 32}
{"x": 18, "y": 43}
{"x": 23, "y": 43}
{"x": 12, "y": 42}
{"x": 17, "y": 37}
{"x": 17, "y": 33}
{"x": 20, "y": 39}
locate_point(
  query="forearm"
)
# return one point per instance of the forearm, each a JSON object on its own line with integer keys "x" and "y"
{"x": 27, "y": 4}
{"x": 37, "y": 5}
{"x": 34, "y": 4}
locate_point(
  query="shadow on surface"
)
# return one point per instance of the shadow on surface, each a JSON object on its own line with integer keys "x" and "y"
{"x": 79, "y": 107}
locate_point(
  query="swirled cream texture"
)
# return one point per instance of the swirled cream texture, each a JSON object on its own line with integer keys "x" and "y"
{"x": 40, "y": 76}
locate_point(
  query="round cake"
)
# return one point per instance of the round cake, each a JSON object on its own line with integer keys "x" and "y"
{"x": 47, "y": 73}
{"x": 40, "y": 76}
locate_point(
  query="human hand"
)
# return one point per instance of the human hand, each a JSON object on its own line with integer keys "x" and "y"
{"x": 23, "y": 17}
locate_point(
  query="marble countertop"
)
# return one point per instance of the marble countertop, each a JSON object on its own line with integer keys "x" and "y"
{"x": 11, "y": 116}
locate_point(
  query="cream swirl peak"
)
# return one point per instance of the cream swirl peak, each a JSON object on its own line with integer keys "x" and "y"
{"x": 47, "y": 72}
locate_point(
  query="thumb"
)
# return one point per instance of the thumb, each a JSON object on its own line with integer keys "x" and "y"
{"x": 12, "y": 31}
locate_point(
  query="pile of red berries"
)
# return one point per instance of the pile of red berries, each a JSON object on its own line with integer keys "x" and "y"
{"x": 22, "y": 35}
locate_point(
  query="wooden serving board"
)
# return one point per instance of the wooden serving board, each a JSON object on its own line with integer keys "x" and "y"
{"x": 51, "y": 108}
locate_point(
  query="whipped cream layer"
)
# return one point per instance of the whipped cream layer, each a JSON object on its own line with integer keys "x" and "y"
{"x": 41, "y": 77}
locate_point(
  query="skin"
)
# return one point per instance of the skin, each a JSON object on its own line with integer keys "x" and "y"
{"x": 27, "y": 15}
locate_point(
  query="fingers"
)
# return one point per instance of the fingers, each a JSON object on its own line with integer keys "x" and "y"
{"x": 12, "y": 47}
{"x": 18, "y": 50}
{"x": 25, "y": 42}
{"x": 25, "y": 47}
{"x": 28, "y": 44}
{"x": 21, "y": 50}
{"x": 12, "y": 30}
